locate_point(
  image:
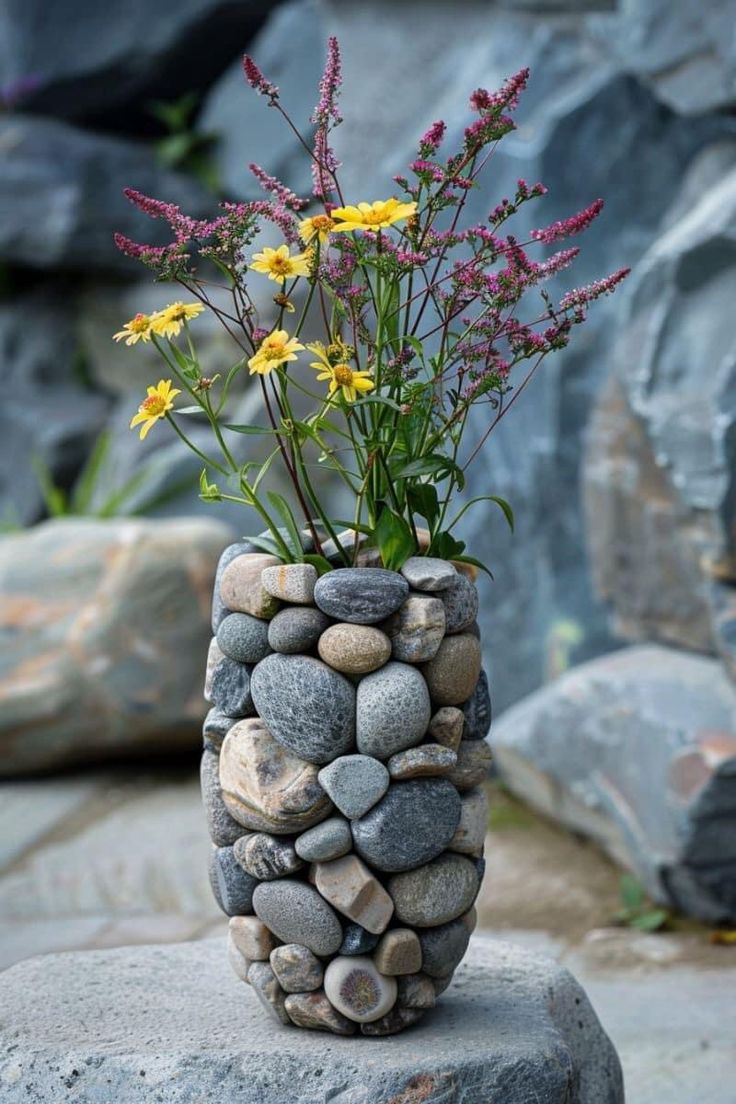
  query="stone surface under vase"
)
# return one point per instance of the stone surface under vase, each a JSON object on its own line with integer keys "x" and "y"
{"x": 361, "y": 763}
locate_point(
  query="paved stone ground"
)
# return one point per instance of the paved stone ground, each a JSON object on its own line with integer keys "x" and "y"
{"x": 100, "y": 860}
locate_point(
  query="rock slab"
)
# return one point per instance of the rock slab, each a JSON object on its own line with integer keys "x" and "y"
{"x": 183, "y": 1027}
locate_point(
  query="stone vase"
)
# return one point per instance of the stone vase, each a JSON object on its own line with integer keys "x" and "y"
{"x": 342, "y": 776}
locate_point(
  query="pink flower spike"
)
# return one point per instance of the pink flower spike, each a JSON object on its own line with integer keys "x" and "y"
{"x": 257, "y": 81}
{"x": 565, "y": 228}
{"x": 578, "y": 298}
{"x": 271, "y": 184}
{"x": 329, "y": 87}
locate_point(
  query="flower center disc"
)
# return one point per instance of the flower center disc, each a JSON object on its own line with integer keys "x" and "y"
{"x": 343, "y": 375}
{"x": 154, "y": 404}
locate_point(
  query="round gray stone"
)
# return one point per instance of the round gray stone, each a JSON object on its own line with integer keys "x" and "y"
{"x": 230, "y": 689}
{"x": 527, "y": 1029}
{"x": 354, "y": 783}
{"x": 231, "y": 885}
{"x": 296, "y": 913}
{"x": 224, "y": 830}
{"x": 296, "y": 630}
{"x": 444, "y": 947}
{"x": 243, "y": 638}
{"x": 215, "y": 728}
{"x": 361, "y": 595}
{"x": 461, "y": 604}
{"x": 329, "y": 840}
{"x": 429, "y": 573}
{"x": 408, "y": 827}
{"x": 436, "y": 893}
{"x": 393, "y": 710}
{"x": 308, "y": 707}
{"x": 478, "y": 711}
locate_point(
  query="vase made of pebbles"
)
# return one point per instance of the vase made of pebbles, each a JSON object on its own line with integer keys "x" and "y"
{"x": 342, "y": 776}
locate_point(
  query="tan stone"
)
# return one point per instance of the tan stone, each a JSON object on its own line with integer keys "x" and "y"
{"x": 264, "y": 984}
{"x": 453, "y": 673}
{"x": 265, "y": 786}
{"x": 237, "y": 959}
{"x": 252, "y": 938}
{"x": 473, "y": 764}
{"x": 425, "y": 761}
{"x": 471, "y": 831}
{"x": 349, "y": 886}
{"x": 313, "y": 1010}
{"x": 354, "y": 649}
{"x": 291, "y": 582}
{"x": 417, "y": 628}
{"x": 398, "y": 952}
{"x": 446, "y": 726}
{"x": 241, "y": 588}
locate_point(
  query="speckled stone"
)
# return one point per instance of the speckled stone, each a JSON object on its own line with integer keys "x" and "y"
{"x": 398, "y": 952}
{"x": 453, "y": 673}
{"x": 308, "y": 707}
{"x": 477, "y": 711}
{"x": 231, "y": 886}
{"x": 429, "y": 573}
{"x": 313, "y": 1010}
{"x": 443, "y": 948}
{"x": 238, "y": 962}
{"x": 393, "y": 1022}
{"x": 296, "y": 630}
{"x": 214, "y": 656}
{"x": 297, "y": 969}
{"x": 265, "y": 787}
{"x": 266, "y": 857}
{"x": 416, "y": 991}
{"x": 446, "y": 726}
{"x": 416, "y": 629}
{"x": 295, "y": 913}
{"x": 354, "y": 891}
{"x": 291, "y": 582}
{"x": 461, "y": 604}
{"x": 252, "y": 938}
{"x": 223, "y": 829}
{"x": 412, "y": 824}
{"x": 243, "y": 638}
{"x": 358, "y": 941}
{"x": 241, "y": 589}
{"x": 471, "y": 831}
{"x": 354, "y": 649}
{"x": 355, "y": 988}
{"x": 392, "y": 710}
{"x": 219, "y": 610}
{"x": 425, "y": 761}
{"x": 354, "y": 783}
{"x": 329, "y": 840}
{"x": 436, "y": 893}
{"x": 360, "y": 595}
{"x": 215, "y": 728}
{"x": 230, "y": 689}
{"x": 473, "y": 764}
{"x": 262, "y": 980}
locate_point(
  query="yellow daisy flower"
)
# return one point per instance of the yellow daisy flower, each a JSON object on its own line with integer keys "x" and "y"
{"x": 318, "y": 226}
{"x": 138, "y": 329}
{"x": 274, "y": 350}
{"x": 340, "y": 375}
{"x": 169, "y": 321}
{"x": 372, "y": 216}
{"x": 278, "y": 265}
{"x": 159, "y": 400}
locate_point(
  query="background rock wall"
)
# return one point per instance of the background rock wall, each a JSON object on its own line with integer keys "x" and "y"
{"x": 618, "y": 460}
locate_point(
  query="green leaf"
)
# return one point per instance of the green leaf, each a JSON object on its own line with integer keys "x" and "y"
{"x": 508, "y": 512}
{"x": 365, "y": 529}
{"x": 650, "y": 921}
{"x": 189, "y": 410}
{"x": 463, "y": 558}
{"x": 394, "y": 538}
{"x": 632, "y": 894}
{"x": 322, "y": 565}
{"x": 54, "y": 497}
{"x": 382, "y": 400}
{"x": 434, "y": 464}
{"x": 268, "y": 544}
{"x": 447, "y": 547}
{"x": 84, "y": 488}
{"x": 423, "y": 501}
{"x": 282, "y": 508}
{"x": 249, "y": 429}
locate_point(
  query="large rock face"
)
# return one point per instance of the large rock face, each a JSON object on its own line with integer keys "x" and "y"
{"x": 638, "y": 750}
{"x": 61, "y": 195}
{"x": 527, "y": 1029}
{"x": 104, "y": 630}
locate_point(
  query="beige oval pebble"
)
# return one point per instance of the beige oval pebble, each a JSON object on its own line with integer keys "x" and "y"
{"x": 446, "y": 726}
{"x": 453, "y": 673}
{"x": 291, "y": 582}
{"x": 241, "y": 588}
{"x": 265, "y": 786}
{"x": 354, "y": 649}
{"x": 425, "y": 761}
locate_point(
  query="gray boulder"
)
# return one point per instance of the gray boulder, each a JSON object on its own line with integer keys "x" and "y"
{"x": 527, "y": 1028}
{"x": 61, "y": 196}
{"x": 637, "y": 750}
{"x": 104, "y": 638}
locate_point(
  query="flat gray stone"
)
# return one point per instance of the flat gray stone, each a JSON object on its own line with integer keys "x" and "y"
{"x": 230, "y": 688}
{"x": 232, "y": 886}
{"x": 182, "y": 1027}
{"x": 478, "y": 711}
{"x": 296, "y": 913}
{"x": 308, "y": 707}
{"x": 412, "y": 824}
{"x": 296, "y": 630}
{"x": 224, "y": 830}
{"x": 329, "y": 840}
{"x": 429, "y": 573}
{"x": 354, "y": 783}
{"x": 360, "y": 595}
{"x": 461, "y": 604}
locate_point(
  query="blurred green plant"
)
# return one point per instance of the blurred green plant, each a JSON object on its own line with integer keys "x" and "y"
{"x": 84, "y": 498}
{"x": 183, "y": 147}
{"x": 637, "y": 910}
